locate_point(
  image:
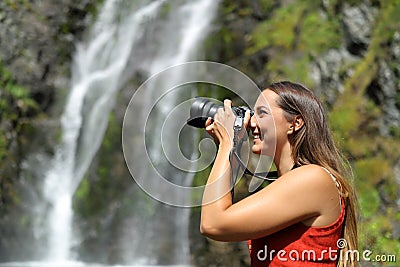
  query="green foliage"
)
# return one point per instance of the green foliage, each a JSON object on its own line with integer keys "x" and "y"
{"x": 372, "y": 170}
{"x": 83, "y": 190}
{"x": 92, "y": 197}
{"x": 377, "y": 234}
{"x": 15, "y": 99}
{"x": 290, "y": 37}
{"x": 107, "y": 182}
{"x": 319, "y": 33}
{"x": 355, "y": 120}
{"x": 17, "y": 108}
{"x": 300, "y": 26}
{"x": 369, "y": 200}
{"x": 345, "y": 119}
{"x": 295, "y": 34}
{"x": 389, "y": 23}
{"x": 3, "y": 146}
{"x": 279, "y": 31}
{"x": 267, "y": 5}
{"x": 92, "y": 8}
{"x": 369, "y": 172}
{"x": 17, "y": 4}
{"x": 165, "y": 10}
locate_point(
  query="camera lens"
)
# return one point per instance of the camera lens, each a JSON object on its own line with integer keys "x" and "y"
{"x": 200, "y": 110}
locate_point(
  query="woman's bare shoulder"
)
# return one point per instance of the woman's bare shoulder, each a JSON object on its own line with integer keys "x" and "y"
{"x": 312, "y": 173}
{"x": 317, "y": 187}
{"x": 311, "y": 182}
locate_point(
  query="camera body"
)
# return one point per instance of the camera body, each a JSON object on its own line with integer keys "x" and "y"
{"x": 203, "y": 108}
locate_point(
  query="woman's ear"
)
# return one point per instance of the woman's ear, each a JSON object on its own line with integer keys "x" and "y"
{"x": 296, "y": 125}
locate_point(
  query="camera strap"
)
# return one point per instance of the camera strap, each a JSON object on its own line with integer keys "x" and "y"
{"x": 267, "y": 176}
{"x": 235, "y": 153}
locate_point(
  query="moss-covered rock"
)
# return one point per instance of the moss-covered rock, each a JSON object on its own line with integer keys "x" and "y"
{"x": 36, "y": 45}
{"x": 344, "y": 51}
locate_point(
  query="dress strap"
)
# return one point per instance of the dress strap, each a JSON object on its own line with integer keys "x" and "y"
{"x": 336, "y": 183}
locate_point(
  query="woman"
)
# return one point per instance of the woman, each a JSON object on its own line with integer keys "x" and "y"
{"x": 304, "y": 218}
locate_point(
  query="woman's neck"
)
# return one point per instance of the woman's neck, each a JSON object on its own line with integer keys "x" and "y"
{"x": 283, "y": 160}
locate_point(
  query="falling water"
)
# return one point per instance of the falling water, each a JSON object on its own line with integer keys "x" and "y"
{"x": 97, "y": 70}
{"x": 127, "y": 37}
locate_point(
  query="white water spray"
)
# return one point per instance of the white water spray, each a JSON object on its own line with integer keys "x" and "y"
{"x": 114, "y": 47}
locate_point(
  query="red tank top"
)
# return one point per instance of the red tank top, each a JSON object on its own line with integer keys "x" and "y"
{"x": 299, "y": 245}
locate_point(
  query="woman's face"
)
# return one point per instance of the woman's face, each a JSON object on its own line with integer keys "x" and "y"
{"x": 268, "y": 125}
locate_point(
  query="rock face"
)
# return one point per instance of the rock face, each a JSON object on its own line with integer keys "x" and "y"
{"x": 357, "y": 76}
{"x": 357, "y": 22}
{"x": 36, "y": 43}
{"x": 37, "y": 40}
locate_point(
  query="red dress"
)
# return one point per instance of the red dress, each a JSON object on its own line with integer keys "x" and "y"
{"x": 300, "y": 245}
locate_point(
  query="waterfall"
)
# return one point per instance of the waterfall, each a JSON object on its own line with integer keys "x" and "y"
{"x": 123, "y": 40}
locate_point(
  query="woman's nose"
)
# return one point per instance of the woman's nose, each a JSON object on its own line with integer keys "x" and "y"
{"x": 253, "y": 121}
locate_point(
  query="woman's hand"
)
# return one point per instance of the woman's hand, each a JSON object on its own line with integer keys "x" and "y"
{"x": 222, "y": 128}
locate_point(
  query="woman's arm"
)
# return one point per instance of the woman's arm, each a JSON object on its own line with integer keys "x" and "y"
{"x": 304, "y": 193}
{"x": 217, "y": 196}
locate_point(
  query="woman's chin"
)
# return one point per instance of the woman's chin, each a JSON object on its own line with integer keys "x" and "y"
{"x": 260, "y": 151}
{"x": 255, "y": 149}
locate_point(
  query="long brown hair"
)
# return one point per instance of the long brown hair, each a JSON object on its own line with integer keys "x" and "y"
{"x": 314, "y": 144}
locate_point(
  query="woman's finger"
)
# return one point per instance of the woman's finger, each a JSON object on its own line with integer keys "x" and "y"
{"x": 227, "y": 103}
{"x": 210, "y": 126}
{"x": 208, "y": 121}
{"x": 228, "y": 106}
{"x": 247, "y": 118}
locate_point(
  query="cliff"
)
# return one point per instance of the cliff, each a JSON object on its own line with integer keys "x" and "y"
{"x": 348, "y": 52}
{"x": 37, "y": 39}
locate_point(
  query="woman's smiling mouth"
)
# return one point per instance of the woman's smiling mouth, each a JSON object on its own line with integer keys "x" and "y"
{"x": 256, "y": 136}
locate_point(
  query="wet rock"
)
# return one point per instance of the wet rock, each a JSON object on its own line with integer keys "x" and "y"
{"x": 37, "y": 41}
{"x": 328, "y": 72}
{"x": 357, "y": 22}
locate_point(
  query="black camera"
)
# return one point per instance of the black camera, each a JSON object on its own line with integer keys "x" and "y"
{"x": 203, "y": 108}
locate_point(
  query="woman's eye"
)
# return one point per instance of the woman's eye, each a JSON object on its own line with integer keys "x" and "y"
{"x": 262, "y": 112}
